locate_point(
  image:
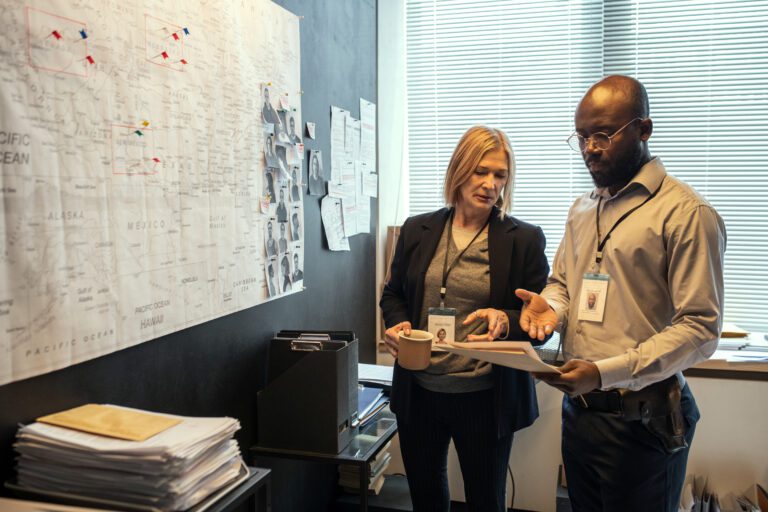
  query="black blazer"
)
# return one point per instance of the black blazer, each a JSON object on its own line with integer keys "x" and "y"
{"x": 516, "y": 260}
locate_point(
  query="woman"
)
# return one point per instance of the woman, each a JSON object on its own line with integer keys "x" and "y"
{"x": 469, "y": 257}
{"x": 316, "y": 183}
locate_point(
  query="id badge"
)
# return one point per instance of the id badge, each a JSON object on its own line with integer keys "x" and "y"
{"x": 441, "y": 322}
{"x": 594, "y": 289}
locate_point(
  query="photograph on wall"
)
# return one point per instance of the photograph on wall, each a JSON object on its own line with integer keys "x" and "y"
{"x": 282, "y": 131}
{"x": 269, "y": 187}
{"x": 297, "y": 276}
{"x": 315, "y": 178}
{"x": 282, "y": 162}
{"x": 293, "y": 135}
{"x": 268, "y": 112}
{"x": 282, "y": 241}
{"x": 282, "y": 208}
{"x": 271, "y": 275}
{"x": 270, "y": 242}
{"x": 285, "y": 274}
{"x": 296, "y": 185}
{"x": 269, "y": 149}
{"x": 296, "y": 221}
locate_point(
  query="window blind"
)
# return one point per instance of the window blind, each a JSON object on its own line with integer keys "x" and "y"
{"x": 705, "y": 66}
{"x": 523, "y": 66}
{"x": 520, "y": 67}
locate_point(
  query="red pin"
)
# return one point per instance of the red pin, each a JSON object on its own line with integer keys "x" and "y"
{"x": 156, "y": 160}
{"x": 175, "y": 36}
{"x": 56, "y": 34}
{"x": 165, "y": 55}
{"x": 183, "y": 61}
{"x": 90, "y": 59}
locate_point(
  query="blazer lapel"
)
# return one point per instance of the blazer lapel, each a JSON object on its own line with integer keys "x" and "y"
{"x": 432, "y": 231}
{"x": 501, "y": 241}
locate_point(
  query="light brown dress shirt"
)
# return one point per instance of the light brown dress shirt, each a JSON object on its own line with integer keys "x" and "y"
{"x": 664, "y": 303}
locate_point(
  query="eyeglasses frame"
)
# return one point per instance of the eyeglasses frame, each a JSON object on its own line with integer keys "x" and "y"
{"x": 589, "y": 140}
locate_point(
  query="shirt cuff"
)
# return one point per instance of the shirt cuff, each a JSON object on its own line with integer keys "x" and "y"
{"x": 614, "y": 372}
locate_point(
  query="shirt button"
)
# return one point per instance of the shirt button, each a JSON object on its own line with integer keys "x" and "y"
{"x": 578, "y": 330}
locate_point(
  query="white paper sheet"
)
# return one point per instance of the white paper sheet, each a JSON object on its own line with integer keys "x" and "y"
{"x": 330, "y": 211}
{"x": 368, "y": 134}
{"x": 513, "y": 354}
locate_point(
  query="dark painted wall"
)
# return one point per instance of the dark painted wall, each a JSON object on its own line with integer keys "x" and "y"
{"x": 216, "y": 368}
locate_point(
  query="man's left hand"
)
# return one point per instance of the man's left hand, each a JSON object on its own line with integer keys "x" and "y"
{"x": 577, "y": 377}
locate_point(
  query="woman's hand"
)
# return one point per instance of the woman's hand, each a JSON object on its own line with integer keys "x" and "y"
{"x": 497, "y": 320}
{"x": 392, "y": 336}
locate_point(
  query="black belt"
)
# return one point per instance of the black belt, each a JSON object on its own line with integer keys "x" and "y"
{"x": 650, "y": 401}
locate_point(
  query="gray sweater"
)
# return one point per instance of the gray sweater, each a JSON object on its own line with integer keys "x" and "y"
{"x": 468, "y": 289}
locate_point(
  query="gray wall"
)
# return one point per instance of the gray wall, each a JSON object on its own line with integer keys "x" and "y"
{"x": 217, "y": 368}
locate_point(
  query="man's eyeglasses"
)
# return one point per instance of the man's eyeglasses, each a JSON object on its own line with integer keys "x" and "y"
{"x": 600, "y": 141}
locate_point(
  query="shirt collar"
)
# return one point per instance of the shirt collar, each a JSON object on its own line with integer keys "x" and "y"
{"x": 649, "y": 177}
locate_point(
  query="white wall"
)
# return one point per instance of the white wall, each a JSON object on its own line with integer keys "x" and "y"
{"x": 392, "y": 123}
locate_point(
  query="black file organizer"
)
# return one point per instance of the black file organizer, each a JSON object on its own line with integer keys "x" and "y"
{"x": 310, "y": 400}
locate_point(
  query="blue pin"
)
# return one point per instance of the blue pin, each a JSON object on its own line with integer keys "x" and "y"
{"x": 186, "y": 30}
{"x": 83, "y": 34}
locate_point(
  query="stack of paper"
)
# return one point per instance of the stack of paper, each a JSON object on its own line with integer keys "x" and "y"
{"x": 349, "y": 474}
{"x": 172, "y": 468}
{"x": 375, "y": 375}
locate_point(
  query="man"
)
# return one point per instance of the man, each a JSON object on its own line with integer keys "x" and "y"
{"x": 292, "y": 135}
{"x": 268, "y": 112}
{"x": 282, "y": 242}
{"x": 591, "y": 300}
{"x": 282, "y": 211}
{"x": 653, "y": 249}
{"x": 271, "y": 244}
{"x": 298, "y": 275}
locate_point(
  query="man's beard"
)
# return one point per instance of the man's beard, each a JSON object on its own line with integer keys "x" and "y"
{"x": 620, "y": 172}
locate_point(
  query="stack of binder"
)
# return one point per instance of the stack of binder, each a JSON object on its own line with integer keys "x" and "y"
{"x": 182, "y": 463}
{"x": 370, "y": 401}
{"x": 349, "y": 474}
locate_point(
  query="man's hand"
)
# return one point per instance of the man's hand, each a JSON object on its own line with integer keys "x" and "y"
{"x": 392, "y": 336}
{"x": 536, "y": 318}
{"x": 577, "y": 377}
{"x": 497, "y": 320}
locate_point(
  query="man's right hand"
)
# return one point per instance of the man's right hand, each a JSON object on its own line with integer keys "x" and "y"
{"x": 392, "y": 336}
{"x": 537, "y": 318}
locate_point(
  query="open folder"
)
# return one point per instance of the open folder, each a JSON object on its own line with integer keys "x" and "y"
{"x": 513, "y": 354}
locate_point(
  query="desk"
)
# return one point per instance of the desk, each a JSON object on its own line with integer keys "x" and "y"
{"x": 258, "y": 482}
{"x": 364, "y": 446}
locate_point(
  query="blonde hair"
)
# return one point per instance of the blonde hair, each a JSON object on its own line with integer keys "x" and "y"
{"x": 472, "y": 147}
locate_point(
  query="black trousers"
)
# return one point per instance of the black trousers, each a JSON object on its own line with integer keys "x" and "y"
{"x": 468, "y": 419}
{"x": 617, "y": 465}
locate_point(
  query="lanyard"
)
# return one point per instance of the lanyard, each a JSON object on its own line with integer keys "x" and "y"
{"x": 601, "y": 245}
{"x": 447, "y": 269}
